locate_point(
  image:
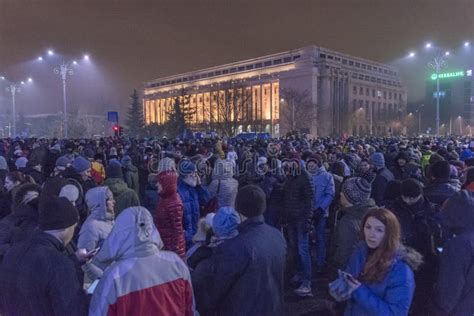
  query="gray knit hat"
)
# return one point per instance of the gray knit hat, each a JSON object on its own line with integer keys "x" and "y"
{"x": 356, "y": 190}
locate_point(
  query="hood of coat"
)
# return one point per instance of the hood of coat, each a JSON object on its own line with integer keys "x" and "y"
{"x": 26, "y": 201}
{"x": 133, "y": 235}
{"x": 457, "y": 214}
{"x": 3, "y": 164}
{"x": 223, "y": 169}
{"x": 360, "y": 209}
{"x": 116, "y": 185}
{"x": 96, "y": 199}
{"x": 410, "y": 256}
{"x": 169, "y": 183}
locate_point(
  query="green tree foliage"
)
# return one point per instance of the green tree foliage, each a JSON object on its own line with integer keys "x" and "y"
{"x": 135, "y": 119}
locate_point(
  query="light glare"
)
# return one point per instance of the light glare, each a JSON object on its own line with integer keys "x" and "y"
{"x": 30, "y": 80}
{"x": 40, "y": 58}
{"x": 86, "y": 57}
{"x": 428, "y": 45}
{"x": 466, "y": 44}
{"x": 447, "y": 53}
{"x": 412, "y": 54}
{"x": 50, "y": 52}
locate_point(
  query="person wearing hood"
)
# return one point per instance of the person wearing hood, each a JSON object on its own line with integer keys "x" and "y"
{"x": 382, "y": 177}
{"x": 129, "y": 286}
{"x": 124, "y": 196}
{"x": 130, "y": 173}
{"x": 378, "y": 279}
{"x": 23, "y": 221}
{"x": 398, "y": 170}
{"x": 356, "y": 202}
{"x": 3, "y": 170}
{"x": 12, "y": 180}
{"x": 35, "y": 170}
{"x": 454, "y": 293}
{"x": 169, "y": 213}
{"x": 223, "y": 185}
{"x": 100, "y": 221}
{"x": 193, "y": 195}
{"x": 441, "y": 187}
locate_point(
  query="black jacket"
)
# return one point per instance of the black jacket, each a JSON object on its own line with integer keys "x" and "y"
{"x": 455, "y": 286}
{"x": 418, "y": 224}
{"x": 440, "y": 190}
{"x": 18, "y": 226}
{"x": 244, "y": 276}
{"x": 39, "y": 279}
{"x": 297, "y": 198}
{"x": 379, "y": 185}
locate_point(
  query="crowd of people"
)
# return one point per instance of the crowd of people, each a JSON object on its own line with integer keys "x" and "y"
{"x": 226, "y": 226}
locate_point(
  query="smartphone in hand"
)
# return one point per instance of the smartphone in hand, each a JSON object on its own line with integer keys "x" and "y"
{"x": 93, "y": 252}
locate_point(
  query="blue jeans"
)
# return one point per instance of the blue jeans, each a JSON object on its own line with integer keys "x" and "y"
{"x": 298, "y": 241}
{"x": 320, "y": 234}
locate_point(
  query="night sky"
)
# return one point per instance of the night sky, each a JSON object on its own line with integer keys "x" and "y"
{"x": 134, "y": 41}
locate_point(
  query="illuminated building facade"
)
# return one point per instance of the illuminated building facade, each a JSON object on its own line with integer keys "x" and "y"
{"x": 312, "y": 89}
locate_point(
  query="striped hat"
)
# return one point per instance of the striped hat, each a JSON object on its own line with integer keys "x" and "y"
{"x": 356, "y": 190}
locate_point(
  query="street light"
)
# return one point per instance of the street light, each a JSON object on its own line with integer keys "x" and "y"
{"x": 437, "y": 64}
{"x": 466, "y": 44}
{"x": 14, "y": 88}
{"x": 411, "y": 54}
{"x": 50, "y": 53}
{"x": 64, "y": 70}
{"x": 428, "y": 45}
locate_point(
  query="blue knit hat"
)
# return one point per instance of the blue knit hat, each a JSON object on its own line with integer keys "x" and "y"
{"x": 356, "y": 190}
{"x": 186, "y": 167}
{"x": 378, "y": 160}
{"x": 81, "y": 164}
{"x": 114, "y": 169}
{"x": 225, "y": 222}
{"x": 63, "y": 162}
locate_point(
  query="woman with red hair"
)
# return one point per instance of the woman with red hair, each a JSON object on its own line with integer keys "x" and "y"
{"x": 169, "y": 213}
{"x": 379, "y": 277}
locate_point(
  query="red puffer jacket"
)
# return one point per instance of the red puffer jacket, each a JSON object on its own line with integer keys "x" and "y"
{"x": 169, "y": 214}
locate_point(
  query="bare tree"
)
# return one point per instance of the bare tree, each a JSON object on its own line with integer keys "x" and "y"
{"x": 229, "y": 107}
{"x": 296, "y": 109}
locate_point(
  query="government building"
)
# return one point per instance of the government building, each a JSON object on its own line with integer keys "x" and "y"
{"x": 311, "y": 89}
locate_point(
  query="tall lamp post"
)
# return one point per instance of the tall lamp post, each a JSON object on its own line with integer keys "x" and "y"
{"x": 437, "y": 64}
{"x": 13, "y": 88}
{"x": 64, "y": 70}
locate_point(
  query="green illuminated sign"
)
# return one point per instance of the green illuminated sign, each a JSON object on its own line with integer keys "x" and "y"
{"x": 447, "y": 75}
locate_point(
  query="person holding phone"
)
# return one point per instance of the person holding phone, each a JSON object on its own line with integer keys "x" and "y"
{"x": 379, "y": 276}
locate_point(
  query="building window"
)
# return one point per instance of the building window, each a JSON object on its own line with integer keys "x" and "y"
{"x": 354, "y": 89}
{"x": 361, "y": 91}
{"x": 268, "y": 63}
{"x": 225, "y": 71}
{"x": 373, "y": 93}
{"x": 241, "y": 68}
{"x": 357, "y": 65}
{"x": 322, "y": 55}
{"x": 232, "y": 70}
{"x": 248, "y": 67}
{"x": 351, "y": 63}
{"x": 344, "y": 61}
{"x": 277, "y": 61}
{"x": 390, "y": 95}
{"x": 364, "y": 66}
{"x": 385, "y": 95}
{"x": 367, "y": 91}
{"x": 354, "y": 105}
{"x": 287, "y": 59}
{"x": 369, "y": 67}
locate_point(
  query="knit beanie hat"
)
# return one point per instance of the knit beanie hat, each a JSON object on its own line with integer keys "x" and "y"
{"x": 57, "y": 213}
{"x": 81, "y": 164}
{"x": 356, "y": 190}
{"x": 225, "y": 222}
{"x": 441, "y": 170}
{"x": 114, "y": 169}
{"x": 21, "y": 162}
{"x": 186, "y": 167}
{"x": 378, "y": 160}
{"x": 63, "y": 162}
{"x": 250, "y": 201}
{"x": 411, "y": 188}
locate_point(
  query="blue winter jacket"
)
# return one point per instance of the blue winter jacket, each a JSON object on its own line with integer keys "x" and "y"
{"x": 393, "y": 295}
{"x": 193, "y": 198}
{"x": 324, "y": 190}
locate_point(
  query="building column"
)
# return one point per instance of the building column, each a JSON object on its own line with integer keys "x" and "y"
{"x": 324, "y": 110}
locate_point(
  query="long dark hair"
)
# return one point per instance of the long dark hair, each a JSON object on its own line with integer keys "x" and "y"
{"x": 379, "y": 262}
